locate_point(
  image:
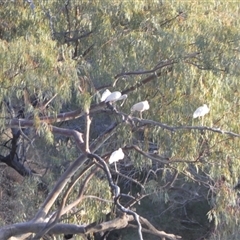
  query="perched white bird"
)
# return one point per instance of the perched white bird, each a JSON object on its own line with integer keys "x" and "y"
{"x": 140, "y": 107}
{"x": 201, "y": 111}
{"x": 105, "y": 94}
{"x": 115, "y": 96}
{"x": 116, "y": 156}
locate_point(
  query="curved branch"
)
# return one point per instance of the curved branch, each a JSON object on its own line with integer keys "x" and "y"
{"x": 144, "y": 122}
{"x": 148, "y": 79}
{"x": 78, "y": 137}
{"x": 75, "y": 165}
{"x": 55, "y": 217}
{"x": 116, "y": 192}
{"x": 61, "y": 228}
{"x": 81, "y": 191}
{"x": 51, "y": 198}
{"x": 200, "y": 128}
{"x": 152, "y": 230}
{"x": 157, "y": 67}
{"x": 129, "y": 178}
{"x": 12, "y": 159}
{"x": 15, "y": 122}
{"x": 16, "y": 165}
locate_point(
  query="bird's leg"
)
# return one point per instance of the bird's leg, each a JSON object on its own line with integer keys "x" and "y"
{"x": 115, "y": 167}
{"x": 140, "y": 115}
{"x": 123, "y": 102}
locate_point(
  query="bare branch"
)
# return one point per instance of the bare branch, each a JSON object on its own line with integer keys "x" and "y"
{"x": 60, "y": 228}
{"x": 116, "y": 192}
{"x": 53, "y": 220}
{"x": 66, "y": 116}
{"x": 78, "y": 137}
{"x": 151, "y": 229}
{"x": 87, "y": 130}
{"x": 51, "y": 198}
{"x": 81, "y": 190}
{"x": 157, "y": 67}
{"x": 129, "y": 178}
{"x": 144, "y": 122}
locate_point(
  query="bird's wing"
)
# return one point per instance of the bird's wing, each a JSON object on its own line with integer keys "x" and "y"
{"x": 137, "y": 106}
{"x": 105, "y": 95}
{"x": 113, "y": 157}
{"x": 197, "y": 112}
{"x": 113, "y": 97}
{"x": 116, "y": 156}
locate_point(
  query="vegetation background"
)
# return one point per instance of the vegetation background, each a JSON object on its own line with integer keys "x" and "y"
{"x": 179, "y": 174}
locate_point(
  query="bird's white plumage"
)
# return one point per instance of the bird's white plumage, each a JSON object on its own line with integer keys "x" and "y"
{"x": 201, "y": 111}
{"x": 116, "y": 156}
{"x": 140, "y": 107}
{"x": 105, "y": 94}
{"x": 115, "y": 96}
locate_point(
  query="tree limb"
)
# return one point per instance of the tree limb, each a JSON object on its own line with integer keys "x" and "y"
{"x": 55, "y": 217}
{"x": 61, "y": 228}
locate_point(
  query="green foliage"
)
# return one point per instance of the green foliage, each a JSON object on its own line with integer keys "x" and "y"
{"x": 65, "y": 52}
{"x": 21, "y": 199}
{"x": 85, "y": 101}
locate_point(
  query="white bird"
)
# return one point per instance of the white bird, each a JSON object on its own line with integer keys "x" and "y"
{"x": 201, "y": 111}
{"x": 116, "y": 156}
{"x": 140, "y": 107}
{"x": 105, "y": 94}
{"x": 115, "y": 96}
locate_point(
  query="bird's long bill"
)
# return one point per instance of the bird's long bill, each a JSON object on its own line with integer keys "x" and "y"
{"x": 123, "y": 102}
